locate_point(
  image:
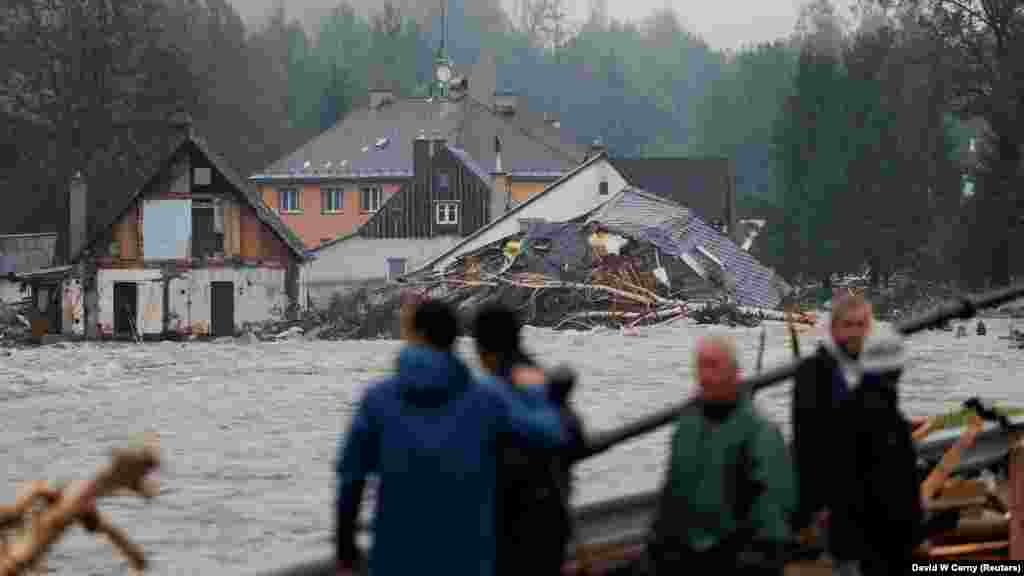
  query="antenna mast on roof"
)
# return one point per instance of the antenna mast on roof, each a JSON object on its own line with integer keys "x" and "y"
{"x": 442, "y": 66}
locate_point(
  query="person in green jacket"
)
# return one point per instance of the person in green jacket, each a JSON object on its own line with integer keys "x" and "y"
{"x": 729, "y": 488}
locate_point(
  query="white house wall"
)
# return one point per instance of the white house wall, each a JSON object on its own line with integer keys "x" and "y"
{"x": 572, "y": 198}
{"x": 357, "y": 261}
{"x": 259, "y": 296}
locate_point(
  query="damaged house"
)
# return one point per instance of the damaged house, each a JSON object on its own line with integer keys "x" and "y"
{"x": 21, "y": 253}
{"x": 192, "y": 252}
{"x": 637, "y": 255}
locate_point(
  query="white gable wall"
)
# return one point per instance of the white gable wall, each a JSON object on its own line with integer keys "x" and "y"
{"x": 572, "y": 198}
{"x": 358, "y": 261}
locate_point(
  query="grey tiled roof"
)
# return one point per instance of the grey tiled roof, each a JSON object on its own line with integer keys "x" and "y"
{"x": 677, "y": 230}
{"x": 470, "y": 163}
{"x": 351, "y": 146}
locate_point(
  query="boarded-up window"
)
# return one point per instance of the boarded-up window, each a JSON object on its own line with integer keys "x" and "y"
{"x": 396, "y": 267}
{"x": 166, "y": 229}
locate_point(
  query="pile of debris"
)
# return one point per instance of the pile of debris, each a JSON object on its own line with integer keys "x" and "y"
{"x": 362, "y": 313}
{"x": 15, "y": 327}
{"x": 637, "y": 259}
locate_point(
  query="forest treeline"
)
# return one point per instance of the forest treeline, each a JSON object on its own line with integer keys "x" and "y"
{"x": 852, "y": 136}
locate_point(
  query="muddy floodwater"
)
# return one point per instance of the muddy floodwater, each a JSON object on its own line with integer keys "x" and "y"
{"x": 249, "y": 431}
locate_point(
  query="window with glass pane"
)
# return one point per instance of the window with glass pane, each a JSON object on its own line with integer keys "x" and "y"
{"x": 447, "y": 213}
{"x": 289, "y": 200}
{"x": 369, "y": 198}
{"x": 333, "y": 199}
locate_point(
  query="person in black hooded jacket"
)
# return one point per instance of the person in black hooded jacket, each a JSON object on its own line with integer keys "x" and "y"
{"x": 534, "y": 525}
{"x": 876, "y": 515}
{"x": 822, "y": 386}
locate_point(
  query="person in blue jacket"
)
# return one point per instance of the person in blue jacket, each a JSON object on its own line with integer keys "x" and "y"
{"x": 429, "y": 434}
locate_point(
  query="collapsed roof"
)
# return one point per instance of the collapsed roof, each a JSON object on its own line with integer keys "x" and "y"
{"x": 677, "y": 231}
{"x": 673, "y": 229}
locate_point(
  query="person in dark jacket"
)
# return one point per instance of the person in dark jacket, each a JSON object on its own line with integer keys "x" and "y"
{"x": 729, "y": 487}
{"x": 534, "y": 525}
{"x": 823, "y": 383}
{"x": 429, "y": 433}
{"x": 876, "y": 510}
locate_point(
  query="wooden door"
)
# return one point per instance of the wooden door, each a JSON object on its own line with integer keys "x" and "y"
{"x": 222, "y": 311}
{"x": 126, "y": 306}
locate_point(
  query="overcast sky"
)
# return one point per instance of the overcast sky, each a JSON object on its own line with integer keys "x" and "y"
{"x": 722, "y": 23}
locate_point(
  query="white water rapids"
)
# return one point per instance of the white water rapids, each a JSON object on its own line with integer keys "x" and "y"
{"x": 249, "y": 431}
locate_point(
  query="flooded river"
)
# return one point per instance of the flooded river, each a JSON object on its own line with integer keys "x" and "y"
{"x": 249, "y": 431}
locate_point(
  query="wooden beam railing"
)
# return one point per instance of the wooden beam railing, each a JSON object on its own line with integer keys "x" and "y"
{"x": 993, "y": 443}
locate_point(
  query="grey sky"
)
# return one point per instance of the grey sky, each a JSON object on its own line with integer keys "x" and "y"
{"x": 722, "y": 23}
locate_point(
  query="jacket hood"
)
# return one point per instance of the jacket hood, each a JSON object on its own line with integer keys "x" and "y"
{"x": 430, "y": 378}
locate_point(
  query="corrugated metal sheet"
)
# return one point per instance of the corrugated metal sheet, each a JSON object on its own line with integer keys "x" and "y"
{"x": 555, "y": 248}
{"x": 675, "y": 230}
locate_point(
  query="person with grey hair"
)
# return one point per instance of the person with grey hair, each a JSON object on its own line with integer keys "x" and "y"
{"x": 877, "y": 517}
{"x": 823, "y": 383}
{"x": 729, "y": 486}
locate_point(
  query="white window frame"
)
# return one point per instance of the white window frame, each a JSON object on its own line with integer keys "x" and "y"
{"x": 447, "y": 213}
{"x": 328, "y": 193}
{"x": 371, "y": 192}
{"x": 282, "y": 194}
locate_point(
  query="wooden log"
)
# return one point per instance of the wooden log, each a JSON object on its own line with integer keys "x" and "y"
{"x": 128, "y": 469}
{"x": 99, "y": 523}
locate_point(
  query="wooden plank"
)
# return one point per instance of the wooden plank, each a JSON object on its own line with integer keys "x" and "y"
{"x": 992, "y": 529}
{"x": 964, "y": 549}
